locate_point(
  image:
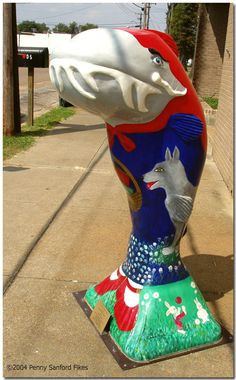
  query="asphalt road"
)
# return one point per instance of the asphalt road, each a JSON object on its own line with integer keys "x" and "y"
{"x": 45, "y": 95}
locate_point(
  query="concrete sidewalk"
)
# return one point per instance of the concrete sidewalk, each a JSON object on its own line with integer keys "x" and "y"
{"x": 66, "y": 226}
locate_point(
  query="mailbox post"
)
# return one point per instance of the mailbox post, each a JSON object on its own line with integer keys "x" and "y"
{"x": 31, "y": 58}
{"x": 30, "y": 96}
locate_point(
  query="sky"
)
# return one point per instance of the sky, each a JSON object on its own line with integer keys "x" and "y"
{"x": 102, "y": 14}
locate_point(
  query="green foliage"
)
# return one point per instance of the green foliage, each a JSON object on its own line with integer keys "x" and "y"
{"x": 61, "y": 28}
{"x": 32, "y": 26}
{"x": 23, "y": 141}
{"x": 183, "y": 28}
{"x": 212, "y": 102}
{"x": 72, "y": 28}
{"x": 87, "y": 26}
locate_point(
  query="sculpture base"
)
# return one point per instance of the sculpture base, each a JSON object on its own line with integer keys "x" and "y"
{"x": 126, "y": 363}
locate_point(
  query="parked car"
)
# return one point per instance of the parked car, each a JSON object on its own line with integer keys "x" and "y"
{"x": 64, "y": 103}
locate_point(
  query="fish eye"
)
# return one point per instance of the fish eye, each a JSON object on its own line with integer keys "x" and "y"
{"x": 158, "y": 61}
{"x": 159, "y": 170}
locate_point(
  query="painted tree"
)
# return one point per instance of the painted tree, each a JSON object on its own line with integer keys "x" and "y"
{"x": 182, "y": 26}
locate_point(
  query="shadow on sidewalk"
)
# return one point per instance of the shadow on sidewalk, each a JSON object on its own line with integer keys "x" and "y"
{"x": 72, "y": 128}
{"x": 14, "y": 168}
{"x": 213, "y": 274}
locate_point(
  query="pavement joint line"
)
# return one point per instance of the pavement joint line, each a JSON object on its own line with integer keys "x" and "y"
{"x": 93, "y": 162}
{"x": 56, "y": 280}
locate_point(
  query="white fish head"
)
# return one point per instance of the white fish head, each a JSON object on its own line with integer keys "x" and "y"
{"x": 109, "y": 73}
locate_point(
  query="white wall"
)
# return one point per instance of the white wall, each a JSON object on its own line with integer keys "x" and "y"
{"x": 49, "y": 40}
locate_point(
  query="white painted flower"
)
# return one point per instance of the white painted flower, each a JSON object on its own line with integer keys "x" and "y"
{"x": 170, "y": 268}
{"x": 155, "y": 295}
{"x": 160, "y": 270}
{"x": 197, "y": 321}
{"x": 193, "y": 284}
{"x": 146, "y": 296}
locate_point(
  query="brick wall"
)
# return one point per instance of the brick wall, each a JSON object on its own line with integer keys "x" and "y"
{"x": 210, "y": 48}
{"x": 223, "y": 135}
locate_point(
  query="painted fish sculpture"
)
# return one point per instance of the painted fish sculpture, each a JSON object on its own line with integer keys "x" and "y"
{"x": 157, "y": 136}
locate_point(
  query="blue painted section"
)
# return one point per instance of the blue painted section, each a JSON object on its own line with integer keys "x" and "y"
{"x": 188, "y": 127}
{"x": 143, "y": 265}
{"x": 151, "y": 223}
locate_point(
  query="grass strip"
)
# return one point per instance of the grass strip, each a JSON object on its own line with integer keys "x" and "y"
{"x": 212, "y": 102}
{"x": 28, "y": 136}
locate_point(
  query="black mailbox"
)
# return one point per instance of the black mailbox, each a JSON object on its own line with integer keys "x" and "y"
{"x": 33, "y": 57}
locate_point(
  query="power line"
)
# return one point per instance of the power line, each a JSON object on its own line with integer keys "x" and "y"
{"x": 125, "y": 6}
{"x": 67, "y": 13}
{"x": 118, "y": 23}
{"x": 121, "y": 9}
{"x": 154, "y": 22}
{"x": 137, "y": 6}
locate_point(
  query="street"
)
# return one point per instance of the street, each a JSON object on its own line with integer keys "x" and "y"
{"x": 45, "y": 96}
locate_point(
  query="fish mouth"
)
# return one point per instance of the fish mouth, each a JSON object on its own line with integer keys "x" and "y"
{"x": 172, "y": 86}
{"x": 150, "y": 185}
{"x": 81, "y": 74}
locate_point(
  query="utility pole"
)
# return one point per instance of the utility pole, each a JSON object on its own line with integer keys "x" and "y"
{"x": 146, "y": 15}
{"x": 140, "y": 20}
{"x": 11, "y": 103}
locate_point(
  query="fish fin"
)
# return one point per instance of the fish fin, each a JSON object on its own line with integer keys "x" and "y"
{"x": 181, "y": 207}
{"x": 188, "y": 127}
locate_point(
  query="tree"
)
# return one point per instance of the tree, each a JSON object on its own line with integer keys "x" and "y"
{"x": 61, "y": 28}
{"x": 32, "y": 26}
{"x": 74, "y": 28}
{"x": 87, "y": 26}
{"x": 182, "y": 26}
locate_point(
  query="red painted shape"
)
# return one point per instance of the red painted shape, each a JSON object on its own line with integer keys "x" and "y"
{"x": 149, "y": 184}
{"x": 123, "y": 176}
{"x": 178, "y": 320}
{"x": 107, "y": 284}
{"x": 23, "y": 55}
{"x": 188, "y": 104}
{"x": 178, "y": 300}
{"x": 125, "y": 316}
